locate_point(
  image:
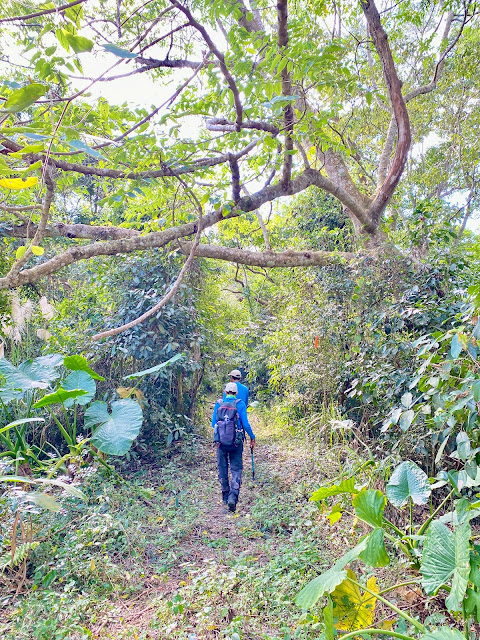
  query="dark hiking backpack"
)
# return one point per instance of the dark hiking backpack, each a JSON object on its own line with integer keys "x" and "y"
{"x": 228, "y": 431}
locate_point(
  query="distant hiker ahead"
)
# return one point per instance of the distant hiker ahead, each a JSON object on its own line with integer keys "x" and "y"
{"x": 229, "y": 422}
{"x": 242, "y": 390}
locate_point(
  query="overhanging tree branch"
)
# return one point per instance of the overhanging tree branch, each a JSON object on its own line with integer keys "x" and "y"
{"x": 45, "y": 12}
{"x": 269, "y": 259}
{"x": 380, "y": 41}
{"x": 220, "y": 57}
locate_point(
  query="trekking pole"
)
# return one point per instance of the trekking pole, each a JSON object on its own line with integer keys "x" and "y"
{"x": 253, "y": 463}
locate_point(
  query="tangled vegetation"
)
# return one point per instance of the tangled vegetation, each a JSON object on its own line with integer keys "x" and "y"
{"x": 299, "y": 202}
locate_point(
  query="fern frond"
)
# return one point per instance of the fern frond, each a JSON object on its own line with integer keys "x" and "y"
{"x": 21, "y": 552}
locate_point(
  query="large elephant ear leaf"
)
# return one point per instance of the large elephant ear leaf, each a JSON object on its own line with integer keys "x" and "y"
{"x": 408, "y": 481}
{"x": 31, "y": 374}
{"x": 375, "y": 554}
{"x": 327, "y": 581}
{"x": 60, "y": 396}
{"x": 79, "y": 380}
{"x": 447, "y": 554}
{"x": 114, "y": 432}
{"x": 353, "y": 609}
{"x": 369, "y": 506}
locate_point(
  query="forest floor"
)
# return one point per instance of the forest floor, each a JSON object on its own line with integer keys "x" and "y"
{"x": 159, "y": 557}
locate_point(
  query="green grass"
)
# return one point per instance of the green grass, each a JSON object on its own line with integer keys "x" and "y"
{"x": 157, "y": 557}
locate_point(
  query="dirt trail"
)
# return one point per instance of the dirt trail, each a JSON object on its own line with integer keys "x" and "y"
{"x": 217, "y": 537}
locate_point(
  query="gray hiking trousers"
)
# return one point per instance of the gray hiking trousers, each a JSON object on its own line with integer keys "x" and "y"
{"x": 235, "y": 458}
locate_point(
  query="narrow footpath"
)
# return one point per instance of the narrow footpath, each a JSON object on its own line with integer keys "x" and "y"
{"x": 214, "y": 574}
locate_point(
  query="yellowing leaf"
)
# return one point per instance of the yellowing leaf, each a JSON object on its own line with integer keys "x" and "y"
{"x": 335, "y": 514}
{"x": 352, "y": 609}
{"x": 37, "y": 251}
{"x": 92, "y": 565}
{"x": 387, "y": 624}
{"x": 20, "y": 252}
{"x": 18, "y": 183}
{"x": 124, "y": 392}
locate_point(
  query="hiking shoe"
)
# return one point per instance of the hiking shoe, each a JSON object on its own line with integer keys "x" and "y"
{"x": 232, "y": 504}
{"x": 225, "y": 497}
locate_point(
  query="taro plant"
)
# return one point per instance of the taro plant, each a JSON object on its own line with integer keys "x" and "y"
{"x": 446, "y": 558}
{"x": 39, "y": 384}
{"x": 408, "y": 486}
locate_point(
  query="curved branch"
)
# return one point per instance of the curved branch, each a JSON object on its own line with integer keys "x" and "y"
{"x": 71, "y": 231}
{"x": 288, "y": 114}
{"x": 220, "y": 57}
{"x": 163, "y": 172}
{"x": 166, "y": 298}
{"x": 380, "y": 40}
{"x": 269, "y": 259}
{"x": 39, "y": 231}
{"x": 43, "y": 13}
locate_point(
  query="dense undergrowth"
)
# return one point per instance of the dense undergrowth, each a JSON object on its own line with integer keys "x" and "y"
{"x": 160, "y": 540}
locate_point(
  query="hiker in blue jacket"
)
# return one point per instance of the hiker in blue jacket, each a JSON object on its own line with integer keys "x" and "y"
{"x": 242, "y": 393}
{"x": 234, "y": 410}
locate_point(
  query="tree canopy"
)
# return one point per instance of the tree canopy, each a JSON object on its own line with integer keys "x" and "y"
{"x": 256, "y": 102}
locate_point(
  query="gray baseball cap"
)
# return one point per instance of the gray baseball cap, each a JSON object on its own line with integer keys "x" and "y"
{"x": 231, "y": 387}
{"x": 235, "y": 373}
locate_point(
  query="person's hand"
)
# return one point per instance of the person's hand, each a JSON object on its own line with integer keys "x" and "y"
{"x": 252, "y": 444}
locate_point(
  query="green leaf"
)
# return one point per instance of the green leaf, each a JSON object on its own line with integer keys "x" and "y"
{"x": 408, "y": 481}
{"x": 62, "y": 37}
{"x": 476, "y": 390}
{"x": 79, "y": 380}
{"x": 444, "y": 633}
{"x": 58, "y": 397}
{"x": 476, "y": 330}
{"x": 346, "y": 486}
{"x": 369, "y": 505}
{"x": 375, "y": 554}
{"x": 463, "y": 446}
{"x": 406, "y": 419}
{"x": 317, "y": 587}
{"x": 154, "y": 369}
{"x": 117, "y": 51}
{"x": 79, "y": 145}
{"x": 455, "y": 347}
{"x": 17, "y": 423}
{"x": 79, "y": 363}
{"x": 327, "y": 581}
{"x": 328, "y": 620}
{"x": 31, "y": 374}
{"x": 24, "y": 97}
{"x": 115, "y": 432}
{"x": 78, "y": 43}
{"x": 44, "y": 501}
{"x": 56, "y": 483}
{"x": 472, "y": 604}
{"x": 447, "y": 554}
